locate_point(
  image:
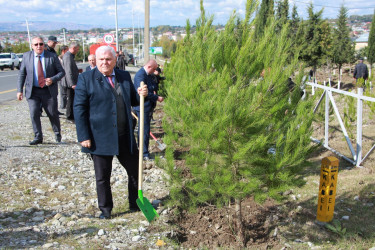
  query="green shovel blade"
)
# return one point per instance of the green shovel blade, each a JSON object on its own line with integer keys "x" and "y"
{"x": 147, "y": 209}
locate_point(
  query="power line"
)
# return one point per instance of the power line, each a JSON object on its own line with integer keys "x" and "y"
{"x": 335, "y": 7}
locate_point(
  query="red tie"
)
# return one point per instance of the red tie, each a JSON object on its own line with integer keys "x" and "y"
{"x": 110, "y": 81}
{"x": 41, "y": 81}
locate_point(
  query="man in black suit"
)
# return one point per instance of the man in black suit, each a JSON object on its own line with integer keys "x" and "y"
{"x": 40, "y": 71}
{"x": 71, "y": 78}
{"x": 102, "y": 111}
{"x": 92, "y": 62}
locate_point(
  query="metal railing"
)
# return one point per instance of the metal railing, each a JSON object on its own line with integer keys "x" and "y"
{"x": 356, "y": 154}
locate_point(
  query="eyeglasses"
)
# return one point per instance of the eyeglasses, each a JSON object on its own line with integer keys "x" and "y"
{"x": 40, "y": 44}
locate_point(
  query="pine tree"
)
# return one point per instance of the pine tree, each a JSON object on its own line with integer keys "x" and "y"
{"x": 282, "y": 13}
{"x": 266, "y": 12}
{"x": 343, "y": 47}
{"x": 243, "y": 134}
{"x": 295, "y": 20}
{"x": 312, "y": 50}
{"x": 371, "y": 43}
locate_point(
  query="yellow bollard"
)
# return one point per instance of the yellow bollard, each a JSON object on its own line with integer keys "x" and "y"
{"x": 327, "y": 189}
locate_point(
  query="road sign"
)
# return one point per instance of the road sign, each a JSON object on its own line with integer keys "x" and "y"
{"x": 156, "y": 50}
{"x": 108, "y": 38}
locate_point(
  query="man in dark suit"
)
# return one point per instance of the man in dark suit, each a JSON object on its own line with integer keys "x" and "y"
{"x": 62, "y": 88}
{"x": 145, "y": 75}
{"x": 102, "y": 111}
{"x": 51, "y": 44}
{"x": 71, "y": 78}
{"x": 92, "y": 62}
{"x": 40, "y": 71}
{"x": 360, "y": 70}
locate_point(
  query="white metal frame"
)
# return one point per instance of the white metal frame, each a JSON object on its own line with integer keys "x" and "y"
{"x": 356, "y": 155}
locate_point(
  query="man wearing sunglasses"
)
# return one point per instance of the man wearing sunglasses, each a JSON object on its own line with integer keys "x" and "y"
{"x": 39, "y": 73}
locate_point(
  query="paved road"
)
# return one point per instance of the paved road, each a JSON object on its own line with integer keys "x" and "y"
{"x": 8, "y": 85}
{"x": 8, "y": 82}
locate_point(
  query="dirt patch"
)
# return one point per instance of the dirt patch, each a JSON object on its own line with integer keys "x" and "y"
{"x": 215, "y": 227}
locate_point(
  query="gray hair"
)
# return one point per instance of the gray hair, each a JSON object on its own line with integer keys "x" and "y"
{"x": 37, "y": 37}
{"x": 103, "y": 49}
{"x": 73, "y": 45}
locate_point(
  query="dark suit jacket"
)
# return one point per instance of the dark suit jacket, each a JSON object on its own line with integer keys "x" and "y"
{"x": 361, "y": 71}
{"x": 53, "y": 70}
{"x": 95, "y": 111}
{"x": 151, "y": 99}
{"x": 71, "y": 70}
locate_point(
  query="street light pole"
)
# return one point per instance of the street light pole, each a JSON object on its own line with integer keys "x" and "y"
{"x": 133, "y": 52}
{"x": 147, "y": 31}
{"x": 116, "y": 26}
{"x": 64, "y": 35}
{"x": 83, "y": 48}
{"x": 28, "y": 33}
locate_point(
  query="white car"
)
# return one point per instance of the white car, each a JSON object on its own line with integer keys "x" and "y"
{"x": 9, "y": 60}
{"x": 20, "y": 55}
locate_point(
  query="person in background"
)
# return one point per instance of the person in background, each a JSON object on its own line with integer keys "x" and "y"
{"x": 71, "y": 78}
{"x": 51, "y": 44}
{"x": 145, "y": 74}
{"x": 92, "y": 62}
{"x": 102, "y": 111}
{"x": 40, "y": 71}
{"x": 360, "y": 70}
{"x": 157, "y": 78}
{"x": 120, "y": 64}
{"x": 62, "y": 89}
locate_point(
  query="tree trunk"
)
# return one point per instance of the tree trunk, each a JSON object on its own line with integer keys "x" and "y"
{"x": 239, "y": 224}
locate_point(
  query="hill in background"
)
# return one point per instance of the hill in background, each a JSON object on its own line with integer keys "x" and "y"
{"x": 45, "y": 25}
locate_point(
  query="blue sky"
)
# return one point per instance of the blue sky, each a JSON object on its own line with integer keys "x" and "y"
{"x": 163, "y": 12}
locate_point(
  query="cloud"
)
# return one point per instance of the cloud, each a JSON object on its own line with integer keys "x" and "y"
{"x": 166, "y": 12}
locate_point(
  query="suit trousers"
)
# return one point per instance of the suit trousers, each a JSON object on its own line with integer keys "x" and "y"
{"x": 63, "y": 98}
{"x": 69, "y": 103}
{"x": 146, "y": 134}
{"x": 41, "y": 97}
{"x": 103, "y": 170}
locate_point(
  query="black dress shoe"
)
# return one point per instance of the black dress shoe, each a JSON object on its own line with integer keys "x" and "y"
{"x": 36, "y": 141}
{"x": 58, "y": 138}
{"x": 134, "y": 208}
{"x": 104, "y": 216}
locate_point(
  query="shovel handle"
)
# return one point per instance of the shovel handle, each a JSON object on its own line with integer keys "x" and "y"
{"x": 141, "y": 132}
{"x": 153, "y": 136}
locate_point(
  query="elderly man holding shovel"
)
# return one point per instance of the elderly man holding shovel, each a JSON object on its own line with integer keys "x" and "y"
{"x": 102, "y": 111}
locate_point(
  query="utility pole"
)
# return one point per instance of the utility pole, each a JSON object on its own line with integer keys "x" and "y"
{"x": 117, "y": 41}
{"x": 83, "y": 48}
{"x": 28, "y": 33}
{"x": 147, "y": 31}
{"x": 133, "y": 52}
{"x": 64, "y": 31}
{"x": 139, "y": 39}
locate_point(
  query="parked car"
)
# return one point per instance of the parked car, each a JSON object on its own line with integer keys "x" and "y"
{"x": 20, "y": 55}
{"x": 9, "y": 60}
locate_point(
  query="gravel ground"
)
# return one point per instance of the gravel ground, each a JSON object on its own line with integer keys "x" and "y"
{"x": 48, "y": 197}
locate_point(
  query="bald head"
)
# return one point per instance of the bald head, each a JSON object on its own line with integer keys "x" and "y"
{"x": 151, "y": 66}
